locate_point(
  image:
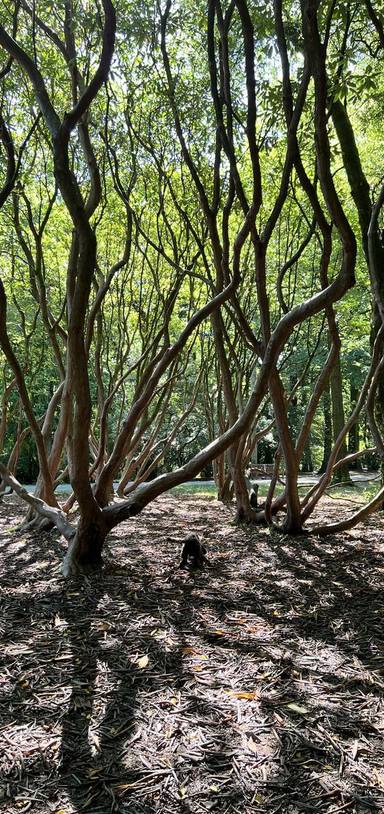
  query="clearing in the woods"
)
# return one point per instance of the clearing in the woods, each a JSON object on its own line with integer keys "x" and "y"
{"x": 255, "y": 685}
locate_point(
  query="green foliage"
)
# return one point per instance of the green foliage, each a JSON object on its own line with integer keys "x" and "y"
{"x": 135, "y": 144}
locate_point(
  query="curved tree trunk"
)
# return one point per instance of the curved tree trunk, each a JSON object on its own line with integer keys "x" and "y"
{"x": 372, "y": 246}
{"x": 292, "y": 523}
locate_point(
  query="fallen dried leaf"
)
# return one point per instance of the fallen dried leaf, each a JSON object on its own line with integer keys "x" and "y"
{"x": 297, "y": 708}
{"x": 143, "y": 662}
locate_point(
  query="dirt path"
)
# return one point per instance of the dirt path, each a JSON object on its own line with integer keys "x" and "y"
{"x": 254, "y": 686}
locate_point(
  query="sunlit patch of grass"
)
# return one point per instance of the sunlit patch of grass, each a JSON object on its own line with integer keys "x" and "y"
{"x": 358, "y": 492}
{"x": 263, "y": 489}
{"x": 210, "y": 490}
{"x": 204, "y": 489}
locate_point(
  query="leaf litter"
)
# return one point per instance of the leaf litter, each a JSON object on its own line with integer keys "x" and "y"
{"x": 255, "y": 685}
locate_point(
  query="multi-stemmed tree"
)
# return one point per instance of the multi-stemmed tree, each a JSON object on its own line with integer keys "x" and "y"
{"x": 174, "y": 165}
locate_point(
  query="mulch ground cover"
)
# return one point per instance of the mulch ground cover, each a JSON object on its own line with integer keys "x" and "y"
{"x": 255, "y": 685}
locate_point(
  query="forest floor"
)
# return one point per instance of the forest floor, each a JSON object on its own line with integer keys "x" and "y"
{"x": 255, "y": 685}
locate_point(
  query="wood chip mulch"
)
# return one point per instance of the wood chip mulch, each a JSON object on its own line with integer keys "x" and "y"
{"x": 255, "y": 685}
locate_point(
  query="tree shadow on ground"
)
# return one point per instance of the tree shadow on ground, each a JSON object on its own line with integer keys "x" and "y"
{"x": 253, "y": 686}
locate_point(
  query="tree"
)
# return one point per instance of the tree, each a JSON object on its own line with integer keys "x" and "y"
{"x": 200, "y": 225}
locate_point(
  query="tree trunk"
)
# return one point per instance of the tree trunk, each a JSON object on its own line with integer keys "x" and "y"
{"x": 379, "y": 416}
{"x": 327, "y": 443}
{"x": 225, "y": 490}
{"x": 292, "y": 523}
{"x": 373, "y": 249}
{"x": 244, "y": 511}
{"x": 307, "y": 463}
{"x": 84, "y": 553}
{"x": 338, "y": 420}
{"x": 354, "y": 433}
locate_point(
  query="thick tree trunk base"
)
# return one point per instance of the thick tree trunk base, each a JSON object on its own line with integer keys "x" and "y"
{"x": 84, "y": 553}
{"x": 292, "y": 527}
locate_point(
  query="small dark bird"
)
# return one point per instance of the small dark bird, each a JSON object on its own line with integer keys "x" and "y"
{"x": 193, "y": 553}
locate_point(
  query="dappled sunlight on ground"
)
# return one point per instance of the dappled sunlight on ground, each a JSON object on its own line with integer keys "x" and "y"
{"x": 253, "y": 686}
